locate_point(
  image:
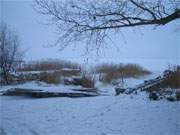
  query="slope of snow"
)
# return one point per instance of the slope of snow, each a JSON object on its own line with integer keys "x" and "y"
{"x": 104, "y": 115}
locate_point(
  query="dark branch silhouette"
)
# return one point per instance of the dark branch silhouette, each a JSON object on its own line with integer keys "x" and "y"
{"x": 92, "y": 20}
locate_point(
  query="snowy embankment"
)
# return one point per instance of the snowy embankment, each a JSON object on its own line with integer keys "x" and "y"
{"x": 104, "y": 115}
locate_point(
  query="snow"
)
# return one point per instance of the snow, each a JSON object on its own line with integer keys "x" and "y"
{"x": 108, "y": 89}
{"x": 105, "y": 89}
{"x": 35, "y": 85}
{"x": 132, "y": 82}
{"x": 103, "y": 115}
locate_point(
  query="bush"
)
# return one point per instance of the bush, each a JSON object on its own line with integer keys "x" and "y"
{"x": 51, "y": 78}
{"x": 172, "y": 80}
{"x": 70, "y": 73}
{"x": 110, "y": 72}
{"x": 87, "y": 81}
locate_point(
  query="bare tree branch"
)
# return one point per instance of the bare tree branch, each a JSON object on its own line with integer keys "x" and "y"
{"x": 93, "y": 20}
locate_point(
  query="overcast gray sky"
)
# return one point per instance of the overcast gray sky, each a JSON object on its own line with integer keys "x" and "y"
{"x": 154, "y": 49}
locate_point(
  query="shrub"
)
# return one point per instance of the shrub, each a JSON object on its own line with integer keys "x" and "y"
{"x": 171, "y": 80}
{"x": 69, "y": 73}
{"x": 87, "y": 81}
{"x": 51, "y": 78}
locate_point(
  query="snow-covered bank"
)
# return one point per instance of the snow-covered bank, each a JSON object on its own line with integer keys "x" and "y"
{"x": 105, "y": 115}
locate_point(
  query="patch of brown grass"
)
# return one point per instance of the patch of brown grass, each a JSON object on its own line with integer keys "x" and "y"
{"x": 50, "y": 78}
{"x": 87, "y": 81}
{"x": 49, "y": 64}
{"x": 171, "y": 81}
{"x": 110, "y": 72}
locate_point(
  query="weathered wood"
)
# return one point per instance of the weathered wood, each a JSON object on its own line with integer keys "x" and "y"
{"x": 93, "y": 90}
{"x": 144, "y": 86}
{"x": 119, "y": 90}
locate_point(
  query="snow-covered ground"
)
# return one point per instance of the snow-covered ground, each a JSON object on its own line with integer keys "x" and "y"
{"x": 101, "y": 115}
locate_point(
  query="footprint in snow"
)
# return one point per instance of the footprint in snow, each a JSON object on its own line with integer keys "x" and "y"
{"x": 108, "y": 110}
{"x": 98, "y": 126}
{"x": 73, "y": 117}
{"x": 101, "y": 120}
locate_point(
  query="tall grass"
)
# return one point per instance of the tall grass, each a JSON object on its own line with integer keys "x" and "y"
{"x": 48, "y": 64}
{"x": 110, "y": 72}
{"x": 49, "y": 78}
{"x": 172, "y": 80}
{"x": 88, "y": 80}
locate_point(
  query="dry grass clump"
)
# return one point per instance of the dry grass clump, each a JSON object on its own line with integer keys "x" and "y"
{"x": 87, "y": 81}
{"x": 110, "y": 72}
{"x": 70, "y": 73}
{"x": 49, "y": 64}
{"x": 50, "y": 78}
{"x": 172, "y": 80}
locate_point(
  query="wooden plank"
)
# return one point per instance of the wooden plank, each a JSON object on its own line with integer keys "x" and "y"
{"x": 147, "y": 84}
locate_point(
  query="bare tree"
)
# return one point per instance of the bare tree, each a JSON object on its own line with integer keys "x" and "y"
{"x": 10, "y": 54}
{"x": 93, "y": 20}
